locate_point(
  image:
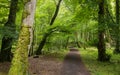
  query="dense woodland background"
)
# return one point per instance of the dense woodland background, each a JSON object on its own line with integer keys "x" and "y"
{"x": 30, "y": 27}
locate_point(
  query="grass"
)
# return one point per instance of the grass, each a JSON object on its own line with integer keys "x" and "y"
{"x": 59, "y": 54}
{"x": 89, "y": 57}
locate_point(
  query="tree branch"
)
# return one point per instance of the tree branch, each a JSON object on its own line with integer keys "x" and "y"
{"x": 56, "y": 13}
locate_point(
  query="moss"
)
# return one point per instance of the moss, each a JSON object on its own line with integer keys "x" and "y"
{"x": 20, "y": 61}
{"x": 26, "y": 13}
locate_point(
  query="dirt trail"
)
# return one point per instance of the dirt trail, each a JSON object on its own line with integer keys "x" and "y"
{"x": 72, "y": 65}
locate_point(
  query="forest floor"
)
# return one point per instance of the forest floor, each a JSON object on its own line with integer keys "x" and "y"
{"x": 48, "y": 65}
{"x": 4, "y": 68}
{"x": 71, "y": 65}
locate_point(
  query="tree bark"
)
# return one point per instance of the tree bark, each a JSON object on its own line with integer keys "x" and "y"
{"x": 30, "y": 48}
{"x": 101, "y": 32}
{"x": 5, "y": 54}
{"x": 20, "y": 61}
{"x": 44, "y": 38}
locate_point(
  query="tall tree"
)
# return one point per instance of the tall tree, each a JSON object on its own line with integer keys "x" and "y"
{"x": 5, "y": 54}
{"x": 45, "y": 36}
{"x": 20, "y": 61}
{"x": 117, "y": 48}
{"x": 101, "y": 32}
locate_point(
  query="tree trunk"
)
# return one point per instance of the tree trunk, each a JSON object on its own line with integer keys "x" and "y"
{"x": 117, "y": 48}
{"x": 30, "y": 48}
{"x": 42, "y": 43}
{"x": 5, "y": 54}
{"x": 101, "y": 32}
{"x": 20, "y": 61}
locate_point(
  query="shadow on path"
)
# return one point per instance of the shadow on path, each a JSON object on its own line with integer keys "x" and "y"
{"x": 73, "y": 64}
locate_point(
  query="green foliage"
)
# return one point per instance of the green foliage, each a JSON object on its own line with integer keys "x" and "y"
{"x": 93, "y": 42}
{"x": 9, "y": 32}
{"x": 77, "y": 21}
{"x": 75, "y": 18}
{"x": 86, "y": 10}
{"x": 4, "y": 8}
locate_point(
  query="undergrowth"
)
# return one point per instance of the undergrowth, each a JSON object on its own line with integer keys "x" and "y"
{"x": 59, "y": 54}
{"x": 95, "y": 67}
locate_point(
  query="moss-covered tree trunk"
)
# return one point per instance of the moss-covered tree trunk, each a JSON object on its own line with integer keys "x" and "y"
{"x": 101, "y": 32}
{"x": 20, "y": 61}
{"x": 5, "y": 54}
{"x": 45, "y": 36}
{"x": 117, "y": 48}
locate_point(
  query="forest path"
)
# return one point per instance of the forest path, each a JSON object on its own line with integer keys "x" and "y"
{"x": 72, "y": 65}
